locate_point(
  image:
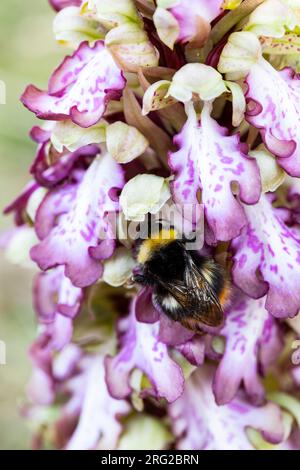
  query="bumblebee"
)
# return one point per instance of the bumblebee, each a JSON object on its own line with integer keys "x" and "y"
{"x": 189, "y": 288}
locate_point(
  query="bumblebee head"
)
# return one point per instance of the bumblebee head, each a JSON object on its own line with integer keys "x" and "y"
{"x": 156, "y": 241}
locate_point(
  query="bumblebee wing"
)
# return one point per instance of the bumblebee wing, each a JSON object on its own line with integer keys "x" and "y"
{"x": 196, "y": 297}
{"x": 178, "y": 290}
{"x": 203, "y": 303}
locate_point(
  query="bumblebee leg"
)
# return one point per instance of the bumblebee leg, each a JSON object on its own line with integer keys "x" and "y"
{"x": 139, "y": 279}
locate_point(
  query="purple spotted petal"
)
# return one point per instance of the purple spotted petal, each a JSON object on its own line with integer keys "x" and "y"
{"x": 60, "y": 4}
{"x": 141, "y": 348}
{"x": 40, "y": 135}
{"x": 210, "y": 160}
{"x": 187, "y": 14}
{"x": 58, "y": 201}
{"x": 80, "y": 87}
{"x": 273, "y": 106}
{"x": 173, "y": 333}
{"x": 200, "y": 424}
{"x": 144, "y": 309}
{"x": 170, "y": 332}
{"x": 267, "y": 245}
{"x": 293, "y": 197}
{"x": 271, "y": 344}
{"x": 65, "y": 363}
{"x": 60, "y": 332}
{"x": 41, "y": 387}
{"x": 77, "y": 238}
{"x": 98, "y": 424}
{"x": 54, "y": 294}
{"x": 49, "y": 175}
{"x": 245, "y": 331}
{"x": 193, "y": 350}
{"x": 18, "y": 206}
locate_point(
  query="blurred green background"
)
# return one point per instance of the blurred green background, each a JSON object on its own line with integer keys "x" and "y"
{"x": 28, "y": 54}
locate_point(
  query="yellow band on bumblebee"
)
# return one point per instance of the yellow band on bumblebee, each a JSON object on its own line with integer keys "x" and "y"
{"x": 156, "y": 241}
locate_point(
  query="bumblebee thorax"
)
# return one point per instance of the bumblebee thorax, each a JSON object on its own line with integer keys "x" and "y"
{"x": 155, "y": 243}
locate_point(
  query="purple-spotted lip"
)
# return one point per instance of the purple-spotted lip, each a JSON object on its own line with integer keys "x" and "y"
{"x": 164, "y": 373}
{"x": 79, "y": 247}
{"x": 265, "y": 266}
{"x": 39, "y": 135}
{"x": 251, "y": 336}
{"x": 191, "y": 423}
{"x": 49, "y": 286}
{"x": 253, "y": 107}
{"x": 53, "y": 104}
{"x": 51, "y": 175}
{"x": 282, "y": 148}
{"x": 188, "y": 166}
{"x": 18, "y": 205}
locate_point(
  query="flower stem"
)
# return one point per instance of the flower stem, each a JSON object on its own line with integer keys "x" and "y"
{"x": 232, "y": 18}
